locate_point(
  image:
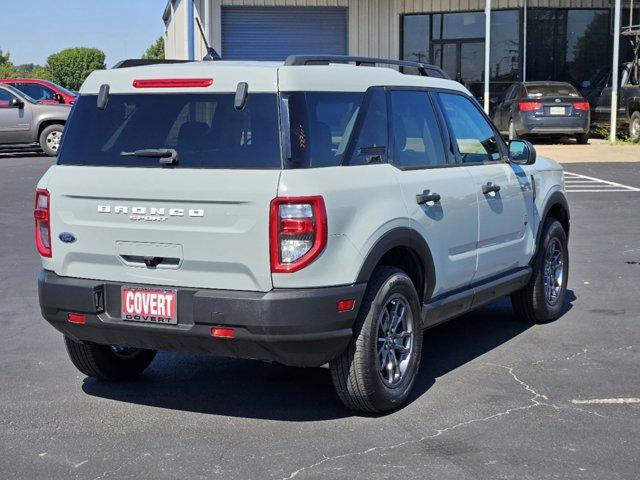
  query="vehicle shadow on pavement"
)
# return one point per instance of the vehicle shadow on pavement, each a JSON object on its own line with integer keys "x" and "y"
{"x": 20, "y": 154}
{"x": 253, "y": 389}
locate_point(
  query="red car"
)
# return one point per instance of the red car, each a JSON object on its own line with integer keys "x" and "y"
{"x": 42, "y": 91}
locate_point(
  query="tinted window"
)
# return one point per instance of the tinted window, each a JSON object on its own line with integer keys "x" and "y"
{"x": 5, "y": 98}
{"x": 416, "y": 136}
{"x": 371, "y": 130}
{"x": 321, "y": 124}
{"x": 415, "y": 38}
{"x": 205, "y": 130}
{"x": 35, "y": 91}
{"x": 476, "y": 139}
{"x": 559, "y": 90}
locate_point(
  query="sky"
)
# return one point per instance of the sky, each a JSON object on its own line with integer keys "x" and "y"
{"x": 31, "y": 30}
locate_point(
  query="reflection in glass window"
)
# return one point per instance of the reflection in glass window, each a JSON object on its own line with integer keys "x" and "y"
{"x": 476, "y": 139}
{"x": 567, "y": 45}
{"x": 415, "y": 38}
{"x": 458, "y": 25}
{"x": 505, "y": 45}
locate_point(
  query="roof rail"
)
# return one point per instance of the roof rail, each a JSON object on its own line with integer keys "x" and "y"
{"x": 140, "y": 62}
{"x": 423, "y": 69}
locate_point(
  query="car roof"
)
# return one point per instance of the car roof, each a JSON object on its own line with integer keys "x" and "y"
{"x": 25, "y": 80}
{"x": 262, "y": 77}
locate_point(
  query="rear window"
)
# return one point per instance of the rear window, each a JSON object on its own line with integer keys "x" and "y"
{"x": 565, "y": 90}
{"x": 205, "y": 130}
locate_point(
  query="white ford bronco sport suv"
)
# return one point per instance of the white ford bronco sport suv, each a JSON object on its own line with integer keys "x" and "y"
{"x": 320, "y": 210}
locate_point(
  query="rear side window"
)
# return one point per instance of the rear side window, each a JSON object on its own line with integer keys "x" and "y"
{"x": 321, "y": 124}
{"x": 35, "y": 91}
{"x": 205, "y": 130}
{"x": 477, "y": 141}
{"x": 417, "y": 141}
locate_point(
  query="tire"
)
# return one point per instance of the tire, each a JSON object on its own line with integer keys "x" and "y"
{"x": 513, "y": 135}
{"x": 582, "y": 138}
{"x": 357, "y": 373}
{"x": 50, "y": 139}
{"x": 534, "y": 303}
{"x": 634, "y": 127}
{"x": 105, "y": 362}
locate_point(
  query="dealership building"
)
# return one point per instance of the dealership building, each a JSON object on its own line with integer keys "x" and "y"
{"x": 568, "y": 40}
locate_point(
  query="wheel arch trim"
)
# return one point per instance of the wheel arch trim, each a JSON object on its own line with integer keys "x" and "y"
{"x": 407, "y": 238}
{"x": 556, "y": 198}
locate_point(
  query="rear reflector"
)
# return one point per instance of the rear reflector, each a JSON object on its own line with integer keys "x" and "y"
{"x": 220, "y": 332}
{"x": 581, "y": 105}
{"x": 173, "y": 83}
{"x": 346, "y": 305}
{"x": 78, "y": 318}
{"x": 528, "y": 106}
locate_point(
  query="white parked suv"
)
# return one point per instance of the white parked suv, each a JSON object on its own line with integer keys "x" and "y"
{"x": 320, "y": 210}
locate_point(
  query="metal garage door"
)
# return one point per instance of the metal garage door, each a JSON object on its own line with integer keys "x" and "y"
{"x": 274, "y": 33}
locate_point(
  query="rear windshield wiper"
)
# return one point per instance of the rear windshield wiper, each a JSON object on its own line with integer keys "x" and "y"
{"x": 166, "y": 156}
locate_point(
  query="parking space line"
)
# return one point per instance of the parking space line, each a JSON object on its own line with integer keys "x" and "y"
{"x": 575, "y": 182}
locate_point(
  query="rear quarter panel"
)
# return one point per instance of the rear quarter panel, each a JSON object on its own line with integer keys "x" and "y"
{"x": 362, "y": 202}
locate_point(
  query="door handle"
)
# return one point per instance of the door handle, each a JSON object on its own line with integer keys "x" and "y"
{"x": 426, "y": 197}
{"x": 490, "y": 187}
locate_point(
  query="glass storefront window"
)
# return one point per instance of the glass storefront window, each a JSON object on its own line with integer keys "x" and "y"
{"x": 458, "y": 25}
{"x": 455, "y": 43}
{"x": 567, "y": 45}
{"x": 505, "y": 46}
{"x": 415, "y": 38}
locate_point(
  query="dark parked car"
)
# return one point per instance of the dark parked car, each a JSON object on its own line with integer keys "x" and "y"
{"x": 543, "y": 108}
{"x": 598, "y": 91}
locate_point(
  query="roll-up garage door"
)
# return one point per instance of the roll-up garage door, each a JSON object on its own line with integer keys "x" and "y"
{"x": 250, "y": 33}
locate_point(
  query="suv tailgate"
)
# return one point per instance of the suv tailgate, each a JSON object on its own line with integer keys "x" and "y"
{"x": 203, "y": 228}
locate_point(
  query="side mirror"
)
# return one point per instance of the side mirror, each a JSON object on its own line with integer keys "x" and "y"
{"x": 494, "y": 100}
{"x": 58, "y": 98}
{"x": 16, "y": 103}
{"x": 585, "y": 84}
{"x": 522, "y": 152}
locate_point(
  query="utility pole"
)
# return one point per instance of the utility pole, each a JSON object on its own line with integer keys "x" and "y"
{"x": 487, "y": 51}
{"x": 614, "y": 71}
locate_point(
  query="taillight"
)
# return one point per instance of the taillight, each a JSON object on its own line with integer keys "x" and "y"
{"x": 529, "y": 106}
{"x": 581, "y": 105}
{"x": 41, "y": 214}
{"x": 297, "y": 232}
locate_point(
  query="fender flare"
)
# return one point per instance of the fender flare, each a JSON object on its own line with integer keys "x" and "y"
{"x": 402, "y": 237}
{"x": 556, "y": 198}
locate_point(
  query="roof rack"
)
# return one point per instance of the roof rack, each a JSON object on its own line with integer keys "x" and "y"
{"x": 424, "y": 69}
{"x": 140, "y": 62}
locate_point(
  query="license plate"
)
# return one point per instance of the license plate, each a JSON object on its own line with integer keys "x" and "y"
{"x": 149, "y": 305}
{"x": 556, "y": 110}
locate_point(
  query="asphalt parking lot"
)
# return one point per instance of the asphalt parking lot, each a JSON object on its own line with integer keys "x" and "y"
{"x": 495, "y": 398}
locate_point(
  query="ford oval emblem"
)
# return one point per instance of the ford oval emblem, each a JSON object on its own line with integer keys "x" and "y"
{"x": 67, "y": 237}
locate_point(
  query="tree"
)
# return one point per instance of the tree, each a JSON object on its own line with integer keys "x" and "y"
{"x": 7, "y": 69}
{"x": 155, "y": 51}
{"x": 72, "y": 66}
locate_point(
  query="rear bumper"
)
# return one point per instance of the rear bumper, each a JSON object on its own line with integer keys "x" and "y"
{"x": 299, "y": 327}
{"x": 549, "y": 125}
